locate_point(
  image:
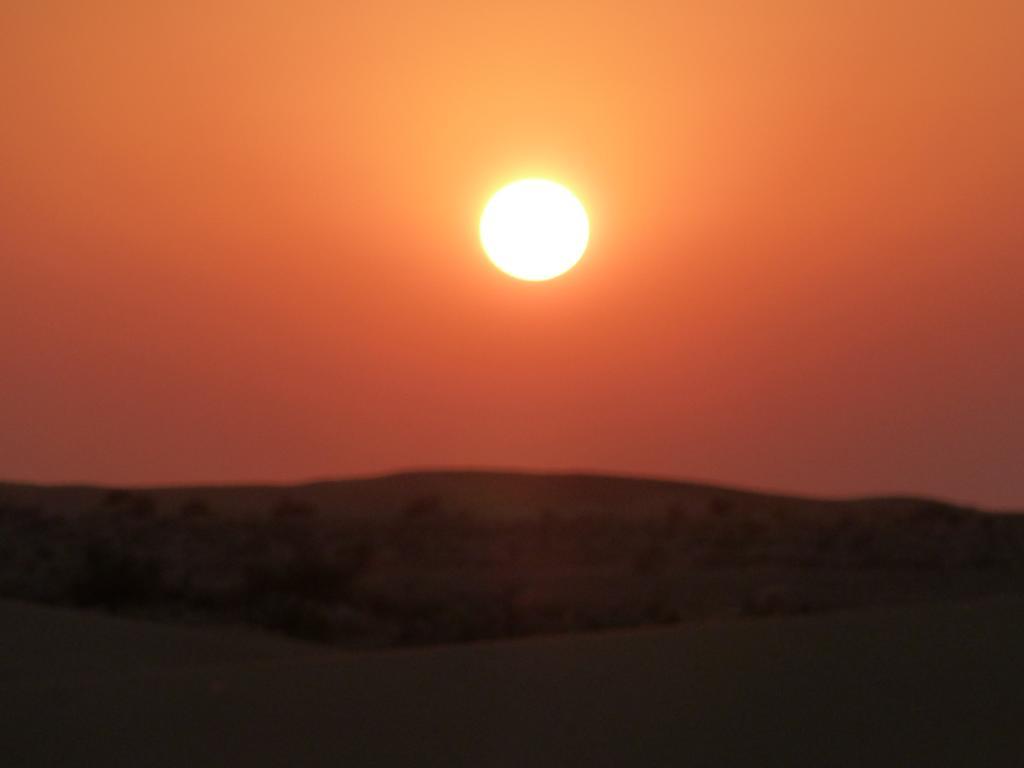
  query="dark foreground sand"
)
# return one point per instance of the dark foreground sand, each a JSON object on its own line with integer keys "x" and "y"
{"x": 917, "y": 686}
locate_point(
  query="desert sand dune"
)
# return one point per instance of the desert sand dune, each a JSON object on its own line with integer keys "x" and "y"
{"x": 913, "y": 686}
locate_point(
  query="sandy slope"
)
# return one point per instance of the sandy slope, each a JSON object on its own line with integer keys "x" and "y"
{"x": 929, "y": 686}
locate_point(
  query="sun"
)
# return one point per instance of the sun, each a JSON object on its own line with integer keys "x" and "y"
{"x": 534, "y": 229}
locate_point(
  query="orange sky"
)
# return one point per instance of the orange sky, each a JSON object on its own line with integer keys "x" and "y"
{"x": 238, "y": 241}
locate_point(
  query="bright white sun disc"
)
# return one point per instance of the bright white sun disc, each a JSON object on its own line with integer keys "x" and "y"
{"x": 534, "y": 229}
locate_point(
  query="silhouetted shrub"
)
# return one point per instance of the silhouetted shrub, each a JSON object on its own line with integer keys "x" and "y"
{"x": 291, "y": 509}
{"x": 295, "y": 617}
{"x": 720, "y": 506}
{"x": 138, "y": 505}
{"x": 450, "y": 620}
{"x": 427, "y": 509}
{"x": 114, "y": 579}
{"x": 194, "y": 509}
{"x": 117, "y": 497}
{"x": 307, "y": 575}
{"x": 650, "y": 559}
{"x": 780, "y": 600}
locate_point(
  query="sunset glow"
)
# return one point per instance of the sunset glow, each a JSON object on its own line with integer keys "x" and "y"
{"x": 243, "y": 241}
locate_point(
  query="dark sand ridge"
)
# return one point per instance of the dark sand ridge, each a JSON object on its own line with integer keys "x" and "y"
{"x": 910, "y": 686}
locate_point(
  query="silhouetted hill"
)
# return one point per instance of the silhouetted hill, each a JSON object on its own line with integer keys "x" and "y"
{"x": 441, "y": 556}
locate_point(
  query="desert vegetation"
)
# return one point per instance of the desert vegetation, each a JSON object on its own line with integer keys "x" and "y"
{"x": 427, "y": 565}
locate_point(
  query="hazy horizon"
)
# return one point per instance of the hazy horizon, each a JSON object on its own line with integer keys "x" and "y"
{"x": 296, "y": 482}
